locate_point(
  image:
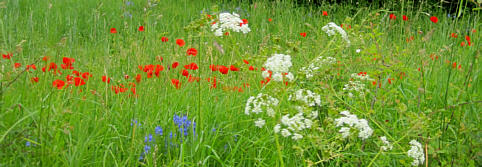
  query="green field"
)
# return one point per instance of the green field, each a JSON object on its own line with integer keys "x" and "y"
{"x": 184, "y": 83}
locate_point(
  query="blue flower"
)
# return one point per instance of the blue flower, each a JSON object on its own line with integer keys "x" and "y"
{"x": 28, "y": 144}
{"x": 146, "y": 149}
{"x": 148, "y": 138}
{"x": 158, "y": 130}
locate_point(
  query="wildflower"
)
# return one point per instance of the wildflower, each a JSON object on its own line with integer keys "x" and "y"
{"x": 175, "y": 64}
{"x": 245, "y": 61}
{"x": 113, "y": 30}
{"x": 278, "y": 64}
{"x": 105, "y": 79}
{"x": 7, "y": 56}
{"x": 352, "y": 121}
{"x": 233, "y": 68}
{"x": 330, "y": 29}
{"x": 392, "y": 16}
{"x": 259, "y": 123}
{"x": 176, "y": 83}
{"x": 404, "y": 18}
{"x": 17, "y": 65}
{"x": 325, "y": 13}
{"x": 434, "y": 19}
{"x": 306, "y": 96}
{"x": 270, "y": 19}
{"x": 387, "y": 145}
{"x": 192, "y": 51}
{"x": 164, "y": 39}
{"x": 454, "y": 35}
{"x": 180, "y": 42}
{"x": 79, "y": 81}
{"x": 141, "y": 28}
{"x": 416, "y": 152}
{"x": 303, "y": 34}
{"x": 256, "y": 104}
{"x": 148, "y": 138}
{"x": 34, "y": 79}
{"x": 59, "y": 84}
{"x": 317, "y": 64}
{"x": 358, "y": 51}
{"x": 292, "y": 126}
{"x": 223, "y": 69}
{"x": 192, "y": 66}
{"x": 228, "y": 21}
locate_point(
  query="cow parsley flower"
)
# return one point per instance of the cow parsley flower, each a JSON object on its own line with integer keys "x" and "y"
{"x": 317, "y": 65}
{"x": 228, "y": 21}
{"x": 259, "y": 123}
{"x": 416, "y": 152}
{"x": 292, "y": 126}
{"x": 256, "y": 104}
{"x": 387, "y": 145}
{"x": 306, "y": 96}
{"x": 355, "y": 87}
{"x": 331, "y": 29}
{"x": 278, "y": 66}
{"x": 353, "y": 122}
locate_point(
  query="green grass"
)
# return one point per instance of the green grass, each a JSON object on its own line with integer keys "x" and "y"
{"x": 437, "y": 105}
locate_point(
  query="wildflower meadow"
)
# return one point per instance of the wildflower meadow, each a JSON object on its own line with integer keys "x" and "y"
{"x": 240, "y": 83}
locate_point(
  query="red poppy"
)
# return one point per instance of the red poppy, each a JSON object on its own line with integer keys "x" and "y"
{"x": 233, "y": 68}
{"x": 454, "y": 65}
{"x": 390, "y": 81}
{"x": 159, "y": 68}
{"x": 76, "y": 73}
{"x": 59, "y": 84}
{"x": 32, "y": 66}
{"x": 454, "y": 35}
{"x": 52, "y": 66}
{"x": 325, "y": 13}
{"x": 185, "y": 73}
{"x": 226, "y": 33}
{"x": 192, "y": 66}
{"x": 251, "y": 68}
{"x": 303, "y": 34}
{"x": 434, "y": 19}
{"x": 126, "y": 76}
{"x": 164, "y": 39}
{"x": 405, "y": 18}
{"x": 105, "y": 79}
{"x": 79, "y": 81}
{"x": 175, "y": 64}
{"x": 213, "y": 67}
{"x": 45, "y": 58}
{"x": 7, "y": 56}
{"x": 462, "y": 43}
{"x": 192, "y": 79}
{"x": 245, "y": 61}
{"x": 392, "y": 17}
{"x": 141, "y": 28}
{"x": 138, "y": 78}
{"x": 86, "y": 75}
{"x": 191, "y": 51}
{"x": 270, "y": 19}
{"x": 176, "y": 83}
{"x": 113, "y": 30}
{"x": 69, "y": 78}
{"x": 17, "y": 65}
{"x": 133, "y": 90}
{"x": 467, "y": 38}
{"x": 180, "y": 42}
{"x": 223, "y": 69}
{"x": 67, "y": 63}
{"x": 34, "y": 79}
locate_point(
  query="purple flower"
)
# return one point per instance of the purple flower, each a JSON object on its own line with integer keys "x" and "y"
{"x": 158, "y": 130}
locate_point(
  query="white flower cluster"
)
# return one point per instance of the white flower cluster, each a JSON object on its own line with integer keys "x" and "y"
{"x": 352, "y": 121}
{"x": 292, "y": 126}
{"x": 279, "y": 66}
{"x": 258, "y": 104}
{"x": 319, "y": 62}
{"x": 416, "y": 152}
{"x": 355, "y": 86}
{"x": 330, "y": 29}
{"x": 228, "y": 21}
{"x": 308, "y": 97}
{"x": 387, "y": 145}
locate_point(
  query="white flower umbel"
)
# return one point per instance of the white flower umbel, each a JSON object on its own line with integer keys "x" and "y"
{"x": 306, "y": 96}
{"x": 331, "y": 29}
{"x": 293, "y": 126}
{"x": 279, "y": 66}
{"x": 317, "y": 65}
{"x": 259, "y": 123}
{"x": 364, "y": 130}
{"x": 228, "y": 21}
{"x": 416, "y": 152}
{"x": 256, "y": 104}
{"x": 355, "y": 86}
{"x": 361, "y": 76}
{"x": 386, "y": 144}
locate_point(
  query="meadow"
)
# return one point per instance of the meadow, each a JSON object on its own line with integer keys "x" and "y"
{"x": 237, "y": 83}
